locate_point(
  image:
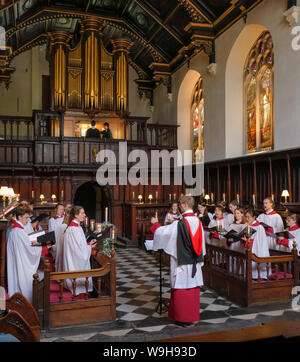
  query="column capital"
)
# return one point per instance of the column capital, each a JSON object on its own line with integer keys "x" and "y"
{"x": 121, "y": 45}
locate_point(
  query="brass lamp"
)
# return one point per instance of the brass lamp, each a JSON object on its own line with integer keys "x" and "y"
{"x": 206, "y": 198}
{"x": 10, "y": 194}
{"x": 285, "y": 194}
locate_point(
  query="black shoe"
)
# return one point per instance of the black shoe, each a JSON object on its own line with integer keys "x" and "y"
{"x": 183, "y": 324}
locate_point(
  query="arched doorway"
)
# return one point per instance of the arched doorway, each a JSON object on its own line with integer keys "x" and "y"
{"x": 94, "y": 199}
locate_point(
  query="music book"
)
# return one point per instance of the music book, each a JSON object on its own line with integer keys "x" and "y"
{"x": 265, "y": 226}
{"x": 238, "y": 236}
{"x": 285, "y": 234}
{"x": 149, "y": 245}
{"x": 42, "y": 238}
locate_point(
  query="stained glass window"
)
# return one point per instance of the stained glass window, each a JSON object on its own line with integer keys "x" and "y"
{"x": 197, "y": 114}
{"x": 258, "y": 82}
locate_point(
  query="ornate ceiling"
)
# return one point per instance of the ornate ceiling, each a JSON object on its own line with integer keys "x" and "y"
{"x": 165, "y": 33}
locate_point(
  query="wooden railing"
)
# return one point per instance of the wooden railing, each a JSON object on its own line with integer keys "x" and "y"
{"x": 16, "y": 128}
{"x": 162, "y": 135}
{"x": 229, "y": 272}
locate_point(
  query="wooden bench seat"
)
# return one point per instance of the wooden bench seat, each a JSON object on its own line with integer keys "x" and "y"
{"x": 229, "y": 272}
{"x": 58, "y": 307}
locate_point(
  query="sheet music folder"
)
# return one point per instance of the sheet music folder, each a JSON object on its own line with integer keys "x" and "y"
{"x": 42, "y": 238}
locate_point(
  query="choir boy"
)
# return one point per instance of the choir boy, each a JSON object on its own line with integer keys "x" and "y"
{"x": 292, "y": 228}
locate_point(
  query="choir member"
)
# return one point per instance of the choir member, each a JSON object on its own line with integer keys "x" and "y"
{"x": 76, "y": 250}
{"x": 218, "y": 221}
{"x": 173, "y": 214}
{"x": 184, "y": 241}
{"x": 34, "y": 225}
{"x": 204, "y": 215}
{"x": 239, "y": 220}
{"x": 272, "y": 219}
{"x": 258, "y": 244}
{"x": 57, "y": 219}
{"x": 232, "y": 207}
{"x": 22, "y": 258}
{"x": 292, "y": 228}
{"x": 59, "y": 251}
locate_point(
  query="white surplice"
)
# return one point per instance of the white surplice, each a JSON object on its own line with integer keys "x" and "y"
{"x": 261, "y": 249}
{"x": 22, "y": 262}
{"x": 59, "y": 259}
{"x": 53, "y": 225}
{"x": 165, "y": 238}
{"x": 29, "y": 229}
{"x": 77, "y": 255}
{"x": 275, "y": 221}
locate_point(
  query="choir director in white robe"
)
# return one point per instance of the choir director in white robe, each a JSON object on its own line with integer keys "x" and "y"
{"x": 184, "y": 241}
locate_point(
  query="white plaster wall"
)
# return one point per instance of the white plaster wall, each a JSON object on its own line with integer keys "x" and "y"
{"x": 224, "y": 118}
{"x": 25, "y": 91}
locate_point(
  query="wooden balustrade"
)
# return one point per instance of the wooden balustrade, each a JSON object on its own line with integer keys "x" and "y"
{"x": 229, "y": 272}
{"x": 16, "y": 128}
{"x": 162, "y": 135}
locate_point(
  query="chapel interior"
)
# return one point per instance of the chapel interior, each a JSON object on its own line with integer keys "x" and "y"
{"x": 218, "y": 78}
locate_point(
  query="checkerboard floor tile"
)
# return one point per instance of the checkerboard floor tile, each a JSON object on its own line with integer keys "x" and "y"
{"x": 137, "y": 301}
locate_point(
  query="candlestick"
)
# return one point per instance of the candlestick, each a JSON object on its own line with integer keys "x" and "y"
{"x": 92, "y": 225}
{"x": 106, "y": 214}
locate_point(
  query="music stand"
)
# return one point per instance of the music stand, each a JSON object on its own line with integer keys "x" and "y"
{"x": 161, "y": 302}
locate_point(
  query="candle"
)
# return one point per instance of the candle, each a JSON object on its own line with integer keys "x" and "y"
{"x": 170, "y": 197}
{"x": 32, "y": 194}
{"x": 249, "y": 230}
{"x": 224, "y": 197}
{"x": 273, "y": 197}
{"x": 99, "y": 227}
{"x": 113, "y": 234}
{"x": 238, "y": 198}
{"x": 218, "y": 224}
{"x": 212, "y": 198}
{"x": 174, "y": 197}
{"x": 253, "y": 197}
{"x": 62, "y": 195}
{"x": 156, "y": 214}
{"x": 156, "y": 195}
{"x": 86, "y": 221}
{"x": 92, "y": 225}
{"x": 133, "y": 196}
{"x": 106, "y": 214}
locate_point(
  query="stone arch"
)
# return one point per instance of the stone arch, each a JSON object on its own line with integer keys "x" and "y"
{"x": 234, "y": 89}
{"x": 185, "y": 140}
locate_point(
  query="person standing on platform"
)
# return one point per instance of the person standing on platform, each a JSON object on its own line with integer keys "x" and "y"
{"x": 22, "y": 258}
{"x": 184, "y": 241}
{"x": 76, "y": 250}
{"x": 106, "y": 133}
{"x": 272, "y": 219}
{"x": 93, "y": 132}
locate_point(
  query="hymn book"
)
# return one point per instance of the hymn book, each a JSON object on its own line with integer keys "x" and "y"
{"x": 42, "y": 238}
{"x": 285, "y": 234}
{"x": 238, "y": 236}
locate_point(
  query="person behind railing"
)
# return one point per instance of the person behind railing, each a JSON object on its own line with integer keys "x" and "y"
{"x": 173, "y": 214}
{"x": 203, "y": 214}
{"x": 272, "y": 219}
{"x": 77, "y": 251}
{"x": 219, "y": 222}
{"x": 106, "y": 132}
{"x": 92, "y": 132}
{"x": 292, "y": 228}
{"x": 258, "y": 243}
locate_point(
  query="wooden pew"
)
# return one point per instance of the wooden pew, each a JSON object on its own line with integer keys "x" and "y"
{"x": 229, "y": 272}
{"x": 66, "y": 309}
{"x": 21, "y": 321}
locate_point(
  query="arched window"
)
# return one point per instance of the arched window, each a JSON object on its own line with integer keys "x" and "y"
{"x": 197, "y": 114}
{"x": 258, "y": 80}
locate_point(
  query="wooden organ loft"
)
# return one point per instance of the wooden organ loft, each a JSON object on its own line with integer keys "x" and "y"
{"x": 48, "y": 154}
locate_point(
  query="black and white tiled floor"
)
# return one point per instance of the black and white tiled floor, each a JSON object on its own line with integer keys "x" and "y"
{"x": 138, "y": 296}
